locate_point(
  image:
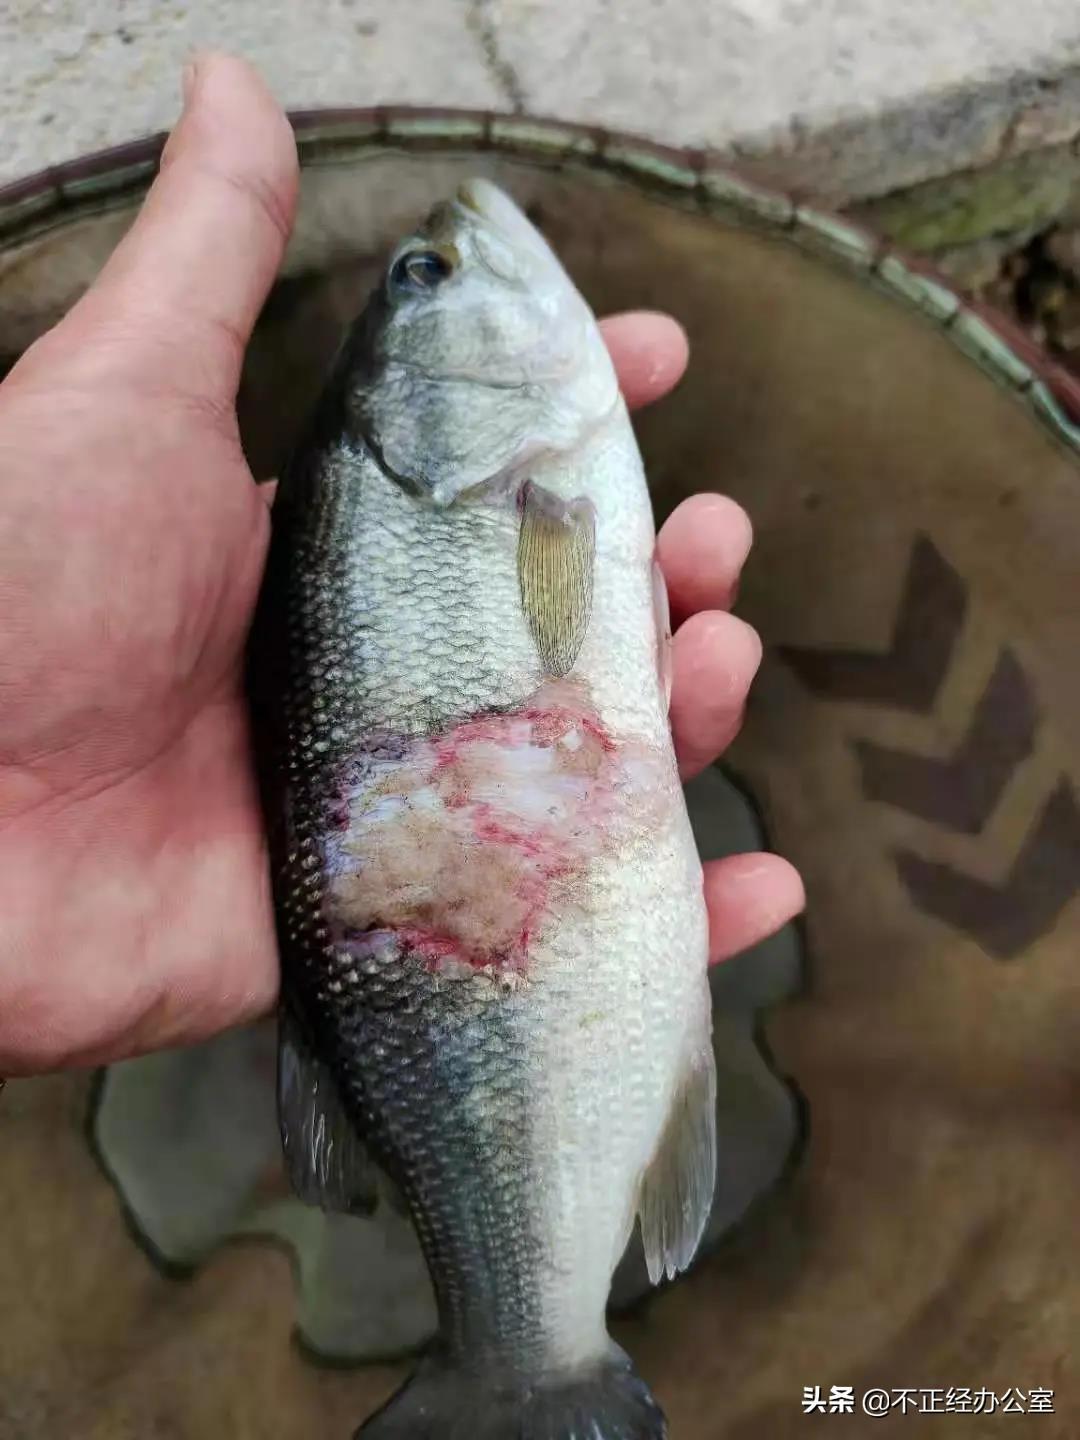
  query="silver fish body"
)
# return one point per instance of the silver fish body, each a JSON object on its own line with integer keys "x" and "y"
{"x": 491, "y": 920}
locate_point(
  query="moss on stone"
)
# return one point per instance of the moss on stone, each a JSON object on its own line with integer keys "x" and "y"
{"x": 1022, "y": 195}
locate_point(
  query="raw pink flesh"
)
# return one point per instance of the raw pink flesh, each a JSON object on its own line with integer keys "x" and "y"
{"x": 465, "y": 844}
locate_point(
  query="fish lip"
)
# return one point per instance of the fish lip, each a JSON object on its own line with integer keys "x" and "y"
{"x": 466, "y": 197}
{"x": 482, "y": 200}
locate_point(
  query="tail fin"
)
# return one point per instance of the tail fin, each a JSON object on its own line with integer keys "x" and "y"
{"x": 608, "y": 1402}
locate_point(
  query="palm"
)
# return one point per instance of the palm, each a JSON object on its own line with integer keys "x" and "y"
{"x": 124, "y": 737}
{"x": 133, "y": 878}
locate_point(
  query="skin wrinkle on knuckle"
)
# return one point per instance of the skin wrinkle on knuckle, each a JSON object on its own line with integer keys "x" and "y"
{"x": 210, "y": 407}
{"x": 231, "y": 344}
{"x": 203, "y": 394}
{"x": 201, "y": 350}
{"x": 148, "y": 351}
{"x": 259, "y": 188}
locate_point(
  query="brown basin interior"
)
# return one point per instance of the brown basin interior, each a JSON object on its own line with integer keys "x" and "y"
{"x": 912, "y": 744}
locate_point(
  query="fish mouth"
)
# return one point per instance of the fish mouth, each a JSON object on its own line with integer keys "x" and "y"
{"x": 479, "y": 196}
{"x": 479, "y": 207}
{"x": 485, "y": 201}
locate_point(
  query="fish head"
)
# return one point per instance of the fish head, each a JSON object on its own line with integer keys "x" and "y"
{"x": 477, "y": 354}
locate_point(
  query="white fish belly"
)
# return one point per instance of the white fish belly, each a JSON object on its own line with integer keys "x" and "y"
{"x": 628, "y": 1007}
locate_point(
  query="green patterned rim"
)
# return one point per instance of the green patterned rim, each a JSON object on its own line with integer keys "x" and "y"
{"x": 687, "y": 177}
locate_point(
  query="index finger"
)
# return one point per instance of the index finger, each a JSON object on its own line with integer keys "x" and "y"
{"x": 650, "y": 352}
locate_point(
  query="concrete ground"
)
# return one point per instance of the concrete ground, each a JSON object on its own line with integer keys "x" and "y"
{"x": 849, "y": 99}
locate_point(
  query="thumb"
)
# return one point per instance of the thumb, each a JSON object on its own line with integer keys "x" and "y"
{"x": 175, "y": 304}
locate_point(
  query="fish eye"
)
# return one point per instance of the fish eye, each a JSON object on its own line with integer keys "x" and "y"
{"x": 420, "y": 270}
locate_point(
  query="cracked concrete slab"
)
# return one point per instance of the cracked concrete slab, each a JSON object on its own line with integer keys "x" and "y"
{"x": 846, "y": 100}
{"x": 82, "y": 74}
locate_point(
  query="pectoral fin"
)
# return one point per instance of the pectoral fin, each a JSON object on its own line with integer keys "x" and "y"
{"x": 677, "y": 1191}
{"x": 326, "y": 1159}
{"x": 556, "y": 546}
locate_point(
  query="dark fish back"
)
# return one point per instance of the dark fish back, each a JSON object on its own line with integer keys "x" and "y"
{"x": 433, "y": 1075}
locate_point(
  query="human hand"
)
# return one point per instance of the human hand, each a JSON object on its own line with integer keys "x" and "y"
{"x": 134, "y": 884}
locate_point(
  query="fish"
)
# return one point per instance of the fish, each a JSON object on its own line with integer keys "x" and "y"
{"x": 493, "y": 938}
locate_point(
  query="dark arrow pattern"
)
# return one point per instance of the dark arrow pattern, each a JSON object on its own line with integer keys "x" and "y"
{"x": 1005, "y": 919}
{"x": 960, "y": 792}
{"x": 909, "y": 675}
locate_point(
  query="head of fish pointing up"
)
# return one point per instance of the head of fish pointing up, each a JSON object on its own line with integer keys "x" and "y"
{"x": 476, "y": 354}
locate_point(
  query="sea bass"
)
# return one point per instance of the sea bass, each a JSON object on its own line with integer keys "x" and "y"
{"x": 492, "y": 926}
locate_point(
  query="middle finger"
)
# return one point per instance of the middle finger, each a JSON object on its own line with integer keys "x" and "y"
{"x": 701, "y": 548}
{"x": 714, "y": 657}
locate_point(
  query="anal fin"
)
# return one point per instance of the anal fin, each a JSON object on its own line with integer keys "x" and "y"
{"x": 677, "y": 1190}
{"x": 326, "y": 1160}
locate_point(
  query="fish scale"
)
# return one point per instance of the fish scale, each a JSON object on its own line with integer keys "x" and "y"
{"x": 491, "y": 919}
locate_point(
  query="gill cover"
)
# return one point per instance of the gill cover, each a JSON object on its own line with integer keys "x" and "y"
{"x": 479, "y": 352}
